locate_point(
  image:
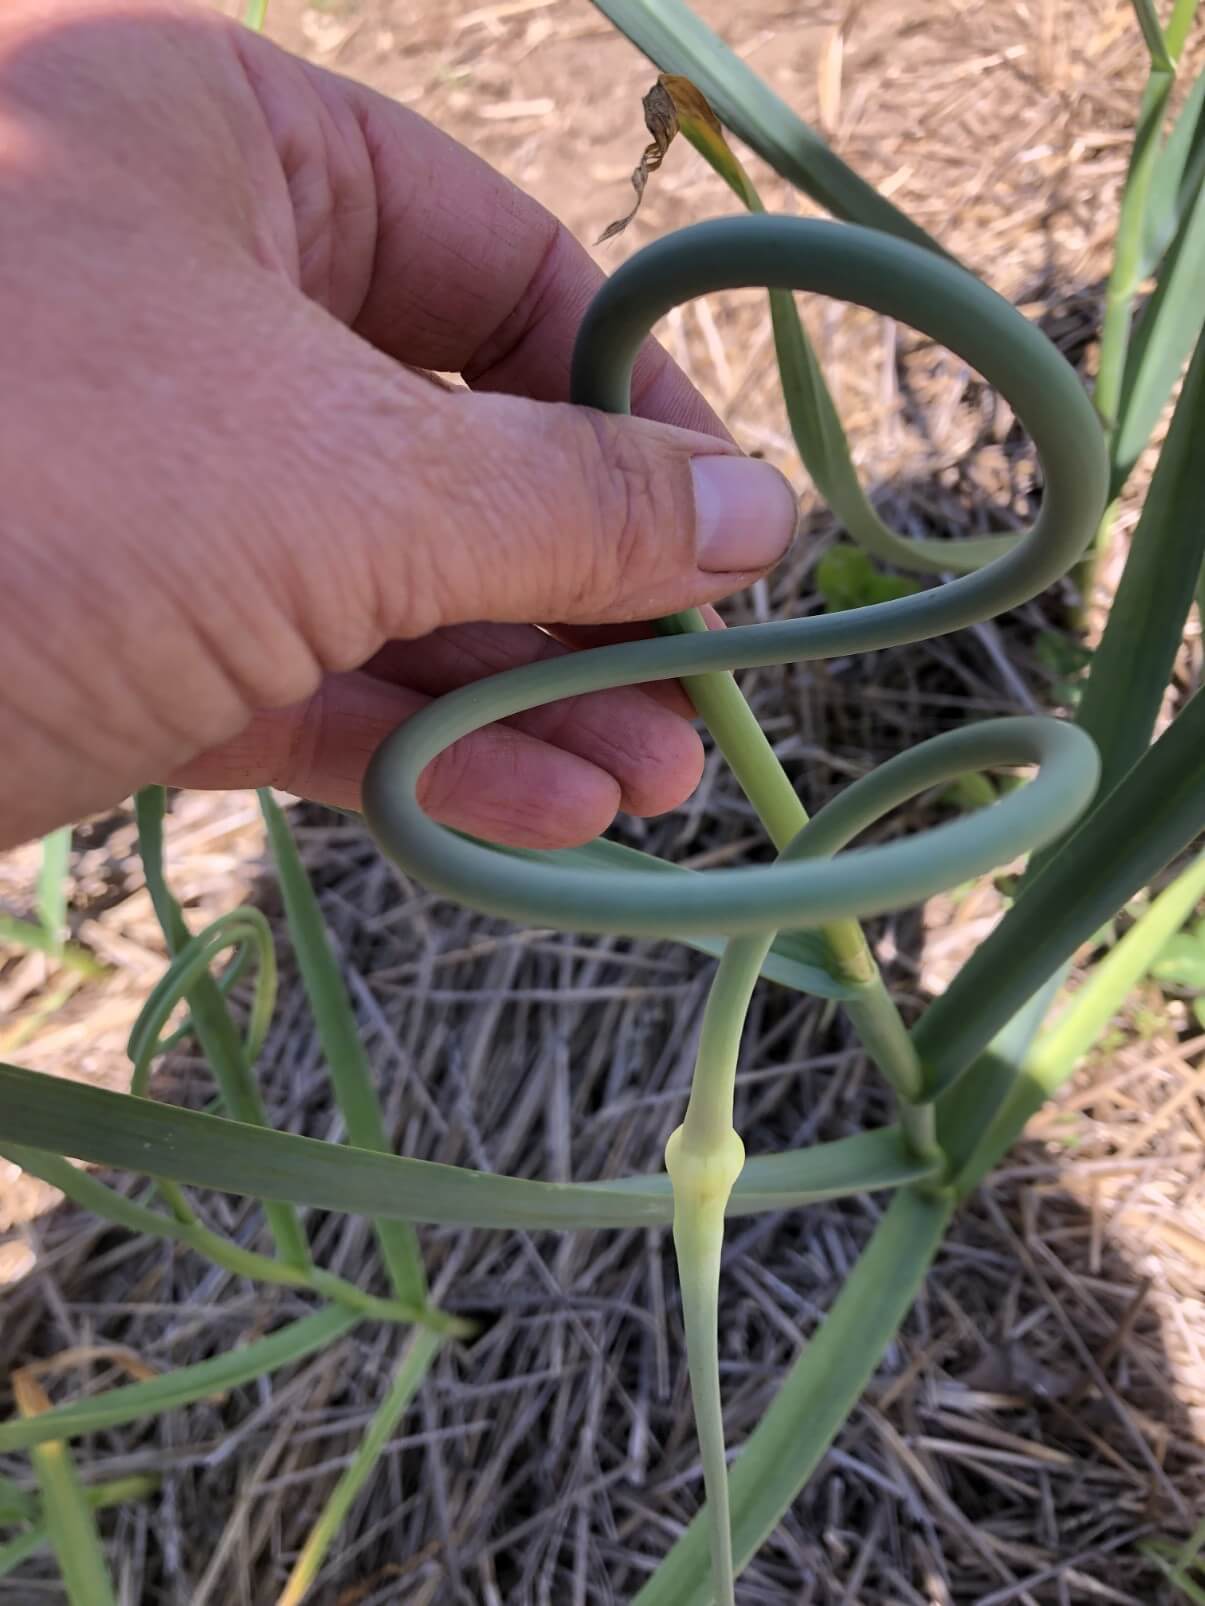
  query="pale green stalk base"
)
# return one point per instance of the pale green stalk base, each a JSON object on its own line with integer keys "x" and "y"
{"x": 703, "y": 1159}
{"x": 816, "y": 1397}
{"x": 702, "y": 1178}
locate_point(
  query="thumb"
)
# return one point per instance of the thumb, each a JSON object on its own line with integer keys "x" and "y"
{"x": 518, "y": 510}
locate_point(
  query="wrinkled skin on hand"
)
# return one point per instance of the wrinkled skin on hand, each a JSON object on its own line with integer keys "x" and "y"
{"x": 244, "y": 535}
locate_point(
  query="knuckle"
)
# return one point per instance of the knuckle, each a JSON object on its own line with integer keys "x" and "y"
{"x": 633, "y": 508}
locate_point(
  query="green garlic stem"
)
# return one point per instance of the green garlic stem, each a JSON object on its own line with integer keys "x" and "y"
{"x": 708, "y": 1119}
{"x": 761, "y": 777}
{"x": 763, "y": 780}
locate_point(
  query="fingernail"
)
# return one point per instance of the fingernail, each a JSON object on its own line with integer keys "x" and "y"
{"x": 745, "y": 513}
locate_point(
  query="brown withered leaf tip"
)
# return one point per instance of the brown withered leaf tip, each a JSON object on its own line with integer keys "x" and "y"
{"x": 670, "y": 98}
{"x": 661, "y": 120}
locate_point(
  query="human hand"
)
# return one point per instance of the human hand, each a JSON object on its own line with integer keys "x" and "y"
{"x": 241, "y": 539}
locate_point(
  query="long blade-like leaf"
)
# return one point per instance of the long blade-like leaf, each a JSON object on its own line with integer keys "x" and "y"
{"x": 820, "y": 437}
{"x": 183, "y": 1386}
{"x": 968, "y": 1108}
{"x": 354, "y": 1089}
{"x": 114, "y": 1129}
{"x": 1163, "y": 337}
{"x": 69, "y": 1517}
{"x": 82, "y": 1188}
{"x": 420, "y": 1352}
{"x": 1155, "y": 812}
{"x": 1125, "y": 274}
{"x": 671, "y": 35}
{"x": 1132, "y": 666}
{"x": 1179, "y": 26}
{"x": 1044, "y": 1069}
{"x": 1152, "y": 33}
{"x": 819, "y": 1393}
{"x": 94, "y": 1195}
{"x": 1178, "y": 175}
{"x": 211, "y": 1019}
{"x": 71, "y": 1528}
